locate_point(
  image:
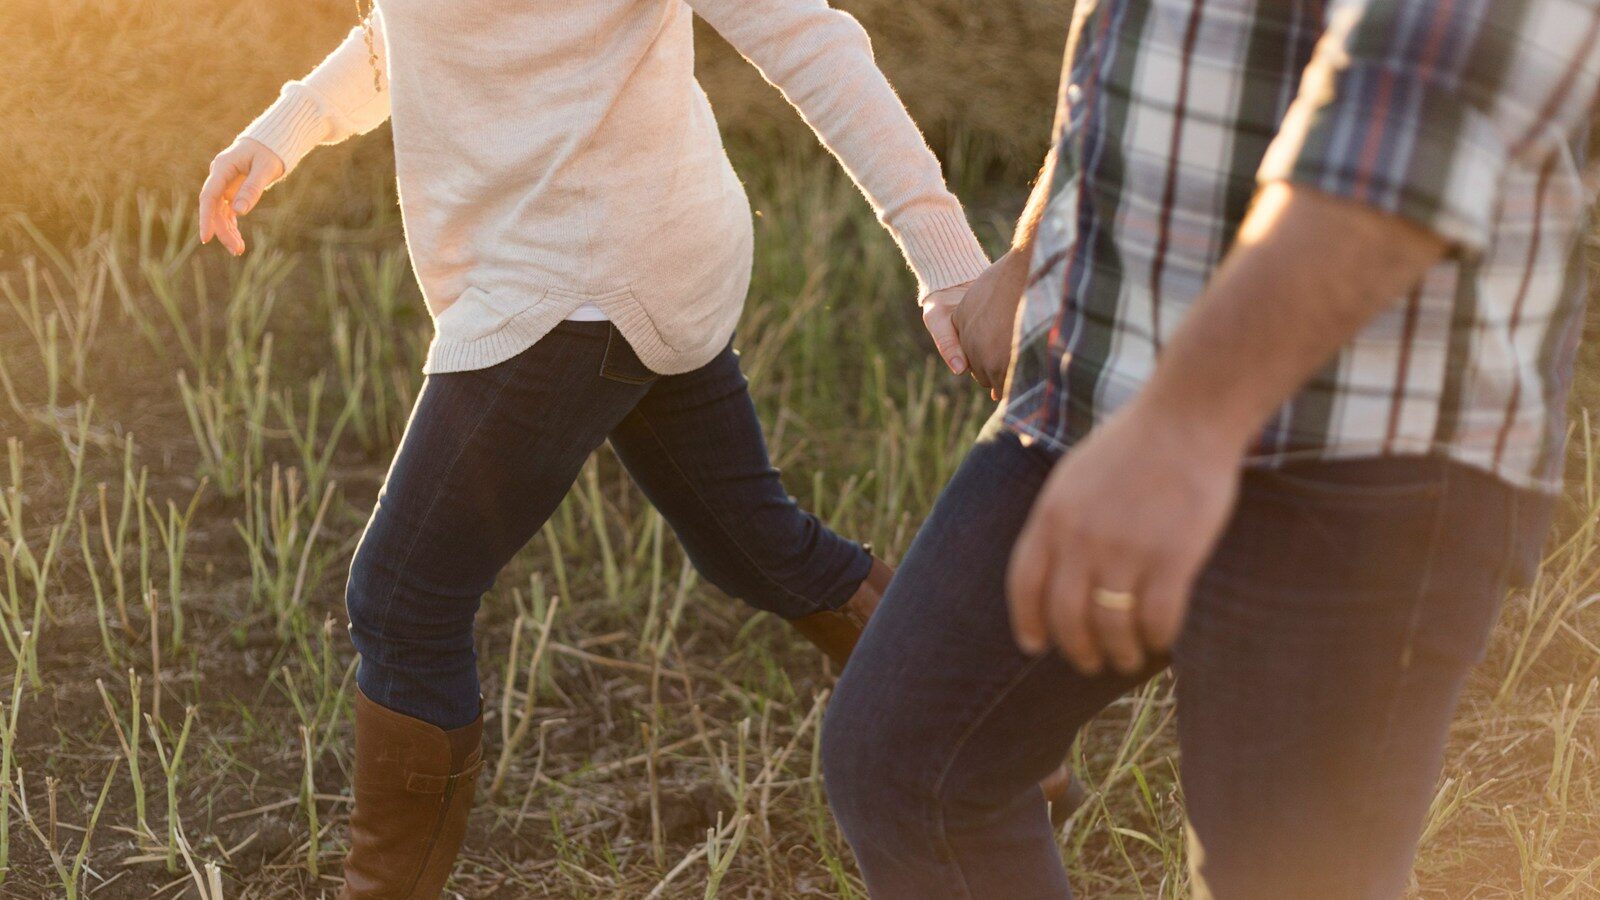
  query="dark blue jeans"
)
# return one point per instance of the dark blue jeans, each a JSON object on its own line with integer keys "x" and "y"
{"x": 1316, "y": 673}
{"x": 489, "y": 454}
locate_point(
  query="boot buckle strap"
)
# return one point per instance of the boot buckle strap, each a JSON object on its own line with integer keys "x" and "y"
{"x": 422, "y": 783}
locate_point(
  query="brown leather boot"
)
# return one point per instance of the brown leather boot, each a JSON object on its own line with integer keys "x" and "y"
{"x": 835, "y": 633}
{"x": 1064, "y": 793}
{"x": 414, "y": 785}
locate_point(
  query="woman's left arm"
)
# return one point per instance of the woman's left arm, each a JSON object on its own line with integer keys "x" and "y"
{"x": 821, "y": 60}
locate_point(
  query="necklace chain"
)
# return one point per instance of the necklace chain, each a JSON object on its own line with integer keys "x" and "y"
{"x": 364, "y": 11}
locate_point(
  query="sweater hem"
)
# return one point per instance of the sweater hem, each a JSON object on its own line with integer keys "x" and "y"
{"x": 623, "y": 310}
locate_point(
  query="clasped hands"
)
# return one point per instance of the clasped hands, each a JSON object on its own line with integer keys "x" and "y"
{"x": 1104, "y": 566}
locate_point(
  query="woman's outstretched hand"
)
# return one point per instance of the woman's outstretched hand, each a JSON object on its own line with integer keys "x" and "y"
{"x": 238, "y": 177}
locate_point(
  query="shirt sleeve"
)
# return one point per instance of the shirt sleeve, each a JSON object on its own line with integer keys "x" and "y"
{"x": 346, "y": 94}
{"x": 821, "y": 60}
{"x": 1420, "y": 107}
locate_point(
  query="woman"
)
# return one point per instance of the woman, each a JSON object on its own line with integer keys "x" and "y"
{"x": 584, "y": 248}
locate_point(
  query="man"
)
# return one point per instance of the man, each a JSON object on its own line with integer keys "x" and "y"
{"x": 1302, "y": 474}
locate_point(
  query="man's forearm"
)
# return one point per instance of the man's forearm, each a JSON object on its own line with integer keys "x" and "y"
{"x": 1308, "y": 272}
{"x": 1028, "y": 223}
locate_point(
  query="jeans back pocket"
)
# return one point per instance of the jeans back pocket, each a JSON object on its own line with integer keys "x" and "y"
{"x": 621, "y": 363}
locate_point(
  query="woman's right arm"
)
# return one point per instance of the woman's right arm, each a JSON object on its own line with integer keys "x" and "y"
{"x": 346, "y": 94}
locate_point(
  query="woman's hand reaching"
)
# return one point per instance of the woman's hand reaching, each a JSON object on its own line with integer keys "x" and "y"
{"x": 938, "y": 316}
{"x": 238, "y": 177}
{"x": 972, "y": 323}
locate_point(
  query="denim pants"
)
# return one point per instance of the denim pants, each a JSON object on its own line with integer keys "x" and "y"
{"x": 1317, "y": 672}
{"x": 489, "y": 454}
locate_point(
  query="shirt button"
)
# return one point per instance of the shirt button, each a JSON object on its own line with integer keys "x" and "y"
{"x": 1074, "y": 94}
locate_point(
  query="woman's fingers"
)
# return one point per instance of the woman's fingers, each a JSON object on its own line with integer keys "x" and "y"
{"x": 220, "y": 184}
{"x": 210, "y": 196}
{"x": 264, "y": 170}
{"x": 233, "y": 187}
{"x": 229, "y": 222}
{"x": 937, "y": 318}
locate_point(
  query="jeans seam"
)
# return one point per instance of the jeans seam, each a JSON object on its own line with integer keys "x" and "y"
{"x": 438, "y": 492}
{"x": 955, "y": 752}
{"x": 1413, "y": 626}
{"x": 667, "y": 455}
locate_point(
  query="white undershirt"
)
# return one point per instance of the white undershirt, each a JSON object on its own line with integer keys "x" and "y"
{"x": 588, "y": 313}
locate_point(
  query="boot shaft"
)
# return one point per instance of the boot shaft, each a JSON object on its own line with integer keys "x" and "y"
{"x": 414, "y": 787}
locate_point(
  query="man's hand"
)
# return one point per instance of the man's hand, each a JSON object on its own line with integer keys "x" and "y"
{"x": 1104, "y": 566}
{"x": 984, "y": 321}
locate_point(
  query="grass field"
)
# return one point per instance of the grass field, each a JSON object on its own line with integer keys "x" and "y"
{"x": 192, "y": 443}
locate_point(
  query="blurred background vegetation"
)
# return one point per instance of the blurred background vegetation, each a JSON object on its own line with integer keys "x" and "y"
{"x": 190, "y": 444}
{"x": 102, "y": 97}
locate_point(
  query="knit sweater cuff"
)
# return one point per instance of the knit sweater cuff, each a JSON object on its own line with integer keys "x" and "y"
{"x": 291, "y": 127}
{"x": 941, "y": 248}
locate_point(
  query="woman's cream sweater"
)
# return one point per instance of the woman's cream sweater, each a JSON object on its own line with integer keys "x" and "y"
{"x": 557, "y": 153}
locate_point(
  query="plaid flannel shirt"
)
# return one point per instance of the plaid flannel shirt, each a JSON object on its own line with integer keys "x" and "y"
{"x": 1467, "y": 117}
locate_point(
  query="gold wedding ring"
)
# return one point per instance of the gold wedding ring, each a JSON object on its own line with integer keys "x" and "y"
{"x": 1118, "y": 601}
